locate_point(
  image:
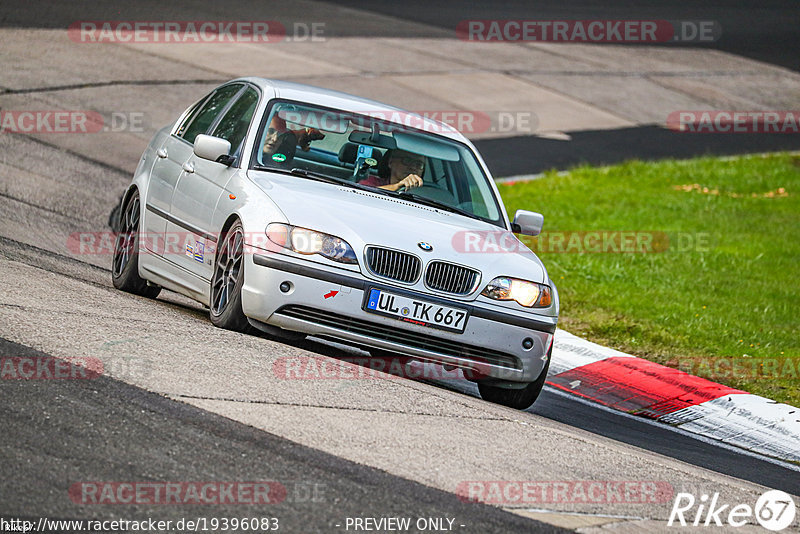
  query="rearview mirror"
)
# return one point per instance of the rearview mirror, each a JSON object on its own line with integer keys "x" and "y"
{"x": 365, "y": 138}
{"x": 212, "y": 148}
{"x": 527, "y": 223}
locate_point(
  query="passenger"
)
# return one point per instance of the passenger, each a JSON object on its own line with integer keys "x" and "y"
{"x": 403, "y": 169}
{"x": 282, "y": 141}
{"x": 280, "y": 144}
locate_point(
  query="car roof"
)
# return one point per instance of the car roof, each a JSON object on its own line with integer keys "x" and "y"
{"x": 347, "y": 102}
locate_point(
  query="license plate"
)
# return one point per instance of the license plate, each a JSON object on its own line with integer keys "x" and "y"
{"x": 415, "y": 311}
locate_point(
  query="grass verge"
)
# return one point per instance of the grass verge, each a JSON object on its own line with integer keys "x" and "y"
{"x": 714, "y": 287}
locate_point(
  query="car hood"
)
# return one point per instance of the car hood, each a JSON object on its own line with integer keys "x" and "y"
{"x": 364, "y": 218}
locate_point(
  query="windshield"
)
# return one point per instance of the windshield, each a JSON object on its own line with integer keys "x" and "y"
{"x": 373, "y": 152}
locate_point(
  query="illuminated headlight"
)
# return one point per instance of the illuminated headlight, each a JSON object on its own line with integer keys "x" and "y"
{"x": 305, "y": 241}
{"x": 528, "y": 294}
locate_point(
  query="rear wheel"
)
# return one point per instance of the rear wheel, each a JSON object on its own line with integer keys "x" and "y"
{"x": 226, "y": 284}
{"x": 125, "y": 265}
{"x": 520, "y": 399}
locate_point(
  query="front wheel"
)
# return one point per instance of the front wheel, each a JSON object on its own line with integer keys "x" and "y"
{"x": 520, "y": 399}
{"x": 125, "y": 265}
{"x": 226, "y": 284}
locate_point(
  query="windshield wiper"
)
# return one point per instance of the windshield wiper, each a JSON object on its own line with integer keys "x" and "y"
{"x": 258, "y": 167}
{"x": 437, "y": 204}
{"x": 305, "y": 173}
{"x": 298, "y": 172}
{"x": 313, "y": 175}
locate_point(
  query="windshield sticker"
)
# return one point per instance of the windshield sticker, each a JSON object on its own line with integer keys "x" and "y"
{"x": 280, "y": 158}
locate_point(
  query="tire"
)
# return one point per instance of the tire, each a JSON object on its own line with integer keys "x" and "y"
{"x": 113, "y": 218}
{"x": 225, "y": 308}
{"x": 520, "y": 399}
{"x": 125, "y": 265}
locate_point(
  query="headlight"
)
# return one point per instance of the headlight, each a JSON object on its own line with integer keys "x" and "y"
{"x": 305, "y": 241}
{"x": 528, "y": 294}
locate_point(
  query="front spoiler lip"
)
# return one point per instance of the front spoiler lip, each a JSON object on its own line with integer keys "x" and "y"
{"x": 491, "y": 370}
{"x": 356, "y": 283}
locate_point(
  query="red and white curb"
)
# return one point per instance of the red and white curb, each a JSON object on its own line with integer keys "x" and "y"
{"x": 640, "y": 387}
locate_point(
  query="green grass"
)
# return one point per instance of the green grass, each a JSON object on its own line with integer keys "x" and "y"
{"x": 736, "y": 295}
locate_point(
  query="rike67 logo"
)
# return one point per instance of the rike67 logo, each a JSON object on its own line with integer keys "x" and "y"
{"x": 774, "y": 510}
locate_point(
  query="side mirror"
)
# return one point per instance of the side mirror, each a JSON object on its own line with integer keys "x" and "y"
{"x": 213, "y": 148}
{"x": 527, "y": 223}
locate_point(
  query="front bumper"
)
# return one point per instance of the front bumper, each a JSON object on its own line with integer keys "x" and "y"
{"x": 492, "y": 343}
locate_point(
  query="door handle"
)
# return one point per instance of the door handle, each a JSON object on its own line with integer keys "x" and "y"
{"x": 162, "y": 153}
{"x": 188, "y": 167}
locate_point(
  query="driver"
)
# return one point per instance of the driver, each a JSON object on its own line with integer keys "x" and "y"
{"x": 405, "y": 170}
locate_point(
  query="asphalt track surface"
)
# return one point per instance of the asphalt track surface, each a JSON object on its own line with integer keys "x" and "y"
{"x": 61, "y": 431}
{"x": 94, "y": 431}
{"x": 766, "y": 31}
{"x": 531, "y": 154}
{"x": 561, "y": 408}
{"x": 58, "y": 432}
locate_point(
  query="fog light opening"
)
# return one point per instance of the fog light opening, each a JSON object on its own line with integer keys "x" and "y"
{"x": 527, "y": 343}
{"x": 285, "y": 287}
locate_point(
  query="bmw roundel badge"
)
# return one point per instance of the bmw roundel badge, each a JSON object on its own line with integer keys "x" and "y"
{"x": 427, "y": 247}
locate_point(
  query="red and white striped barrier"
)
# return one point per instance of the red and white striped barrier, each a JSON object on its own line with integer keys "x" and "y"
{"x": 640, "y": 387}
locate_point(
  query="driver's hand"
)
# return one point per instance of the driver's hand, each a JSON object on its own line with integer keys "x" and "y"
{"x": 410, "y": 181}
